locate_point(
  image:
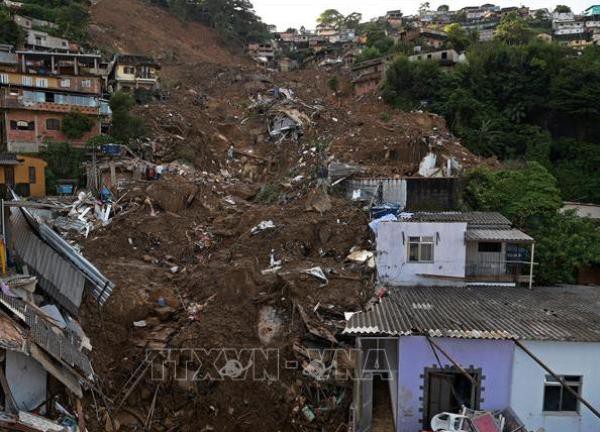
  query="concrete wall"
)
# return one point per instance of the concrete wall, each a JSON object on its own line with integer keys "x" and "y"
{"x": 564, "y": 358}
{"x": 449, "y": 255}
{"x": 494, "y": 358}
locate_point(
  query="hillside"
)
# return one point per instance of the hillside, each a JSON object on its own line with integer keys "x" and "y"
{"x": 133, "y": 26}
{"x": 194, "y": 275}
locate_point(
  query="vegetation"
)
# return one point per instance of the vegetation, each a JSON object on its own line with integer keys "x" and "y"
{"x": 234, "y": 20}
{"x": 333, "y": 18}
{"x": 524, "y": 101}
{"x": 125, "y": 127}
{"x": 75, "y": 125}
{"x": 64, "y": 162}
{"x": 10, "y": 33}
{"x": 531, "y": 199}
{"x": 71, "y": 16}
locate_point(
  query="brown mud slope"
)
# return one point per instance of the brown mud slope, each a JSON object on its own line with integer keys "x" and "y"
{"x": 194, "y": 279}
{"x": 132, "y": 26}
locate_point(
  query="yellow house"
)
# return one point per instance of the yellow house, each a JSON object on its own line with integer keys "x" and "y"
{"x": 25, "y": 174}
{"x": 133, "y": 72}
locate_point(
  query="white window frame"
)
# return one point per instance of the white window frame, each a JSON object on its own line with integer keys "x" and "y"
{"x": 27, "y": 81}
{"x": 86, "y": 83}
{"x": 65, "y": 82}
{"x": 550, "y": 381}
{"x": 41, "y": 82}
{"x": 421, "y": 240}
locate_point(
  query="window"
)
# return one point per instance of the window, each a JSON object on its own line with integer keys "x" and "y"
{"x": 32, "y": 176}
{"x": 444, "y": 55}
{"x": 22, "y": 125}
{"x": 420, "y": 249}
{"x": 86, "y": 83}
{"x": 557, "y": 398}
{"x": 490, "y": 247}
{"x": 65, "y": 82}
{"x": 27, "y": 80}
{"x": 41, "y": 82}
{"x": 53, "y": 124}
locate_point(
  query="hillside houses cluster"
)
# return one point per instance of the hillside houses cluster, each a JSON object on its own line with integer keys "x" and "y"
{"x": 422, "y": 35}
{"x": 47, "y": 79}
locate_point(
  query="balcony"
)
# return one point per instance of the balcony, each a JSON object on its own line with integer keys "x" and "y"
{"x": 501, "y": 271}
{"x": 12, "y": 102}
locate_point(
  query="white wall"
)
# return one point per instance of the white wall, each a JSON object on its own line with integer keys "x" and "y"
{"x": 564, "y": 358}
{"x": 449, "y": 255}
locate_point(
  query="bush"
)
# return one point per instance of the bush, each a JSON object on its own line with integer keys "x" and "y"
{"x": 75, "y": 125}
{"x": 64, "y": 162}
{"x": 125, "y": 127}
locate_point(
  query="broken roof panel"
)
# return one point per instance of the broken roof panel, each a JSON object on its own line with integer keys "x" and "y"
{"x": 56, "y": 276}
{"x": 62, "y": 345}
{"x": 101, "y": 287}
{"x": 554, "y": 314}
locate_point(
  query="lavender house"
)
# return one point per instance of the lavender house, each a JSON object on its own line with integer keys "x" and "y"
{"x": 428, "y": 350}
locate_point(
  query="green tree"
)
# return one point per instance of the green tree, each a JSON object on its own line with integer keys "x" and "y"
{"x": 513, "y": 30}
{"x": 458, "y": 38}
{"x": 76, "y": 124}
{"x": 10, "y": 33}
{"x": 124, "y": 126}
{"x": 562, "y": 9}
{"x": 443, "y": 8}
{"x": 331, "y": 17}
{"x": 369, "y": 53}
{"x": 64, "y": 162}
{"x": 353, "y": 20}
{"x": 408, "y": 83}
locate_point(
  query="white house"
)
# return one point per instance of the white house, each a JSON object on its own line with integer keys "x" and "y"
{"x": 568, "y": 27}
{"x": 43, "y": 41}
{"x": 452, "y": 248}
{"x": 427, "y": 350}
{"x": 447, "y": 57}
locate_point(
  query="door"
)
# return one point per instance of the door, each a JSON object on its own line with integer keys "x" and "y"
{"x": 9, "y": 176}
{"x": 447, "y": 390}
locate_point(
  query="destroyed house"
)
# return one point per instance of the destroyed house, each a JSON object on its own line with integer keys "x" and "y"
{"x": 62, "y": 272}
{"x": 368, "y": 75}
{"x": 129, "y": 72}
{"x": 428, "y": 351}
{"x": 39, "y": 346}
{"x": 453, "y": 248}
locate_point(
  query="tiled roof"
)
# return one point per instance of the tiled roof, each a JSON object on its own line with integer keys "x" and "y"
{"x": 508, "y": 235}
{"x": 554, "y": 314}
{"x": 473, "y": 219}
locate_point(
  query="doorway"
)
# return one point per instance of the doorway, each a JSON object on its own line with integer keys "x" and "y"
{"x": 447, "y": 390}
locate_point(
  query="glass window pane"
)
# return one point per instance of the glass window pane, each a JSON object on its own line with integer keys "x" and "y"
{"x": 569, "y": 402}
{"x": 414, "y": 239}
{"x": 552, "y": 398}
{"x": 426, "y": 252}
{"x": 427, "y": 239}
{"x": 413, "y": 252}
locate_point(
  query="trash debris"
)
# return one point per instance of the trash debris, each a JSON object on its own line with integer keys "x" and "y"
{"x": 318, "y": 273}
{"x": 264, "y": 225}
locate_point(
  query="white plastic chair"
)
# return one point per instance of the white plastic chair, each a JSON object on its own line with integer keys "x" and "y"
{"x": 448, "y": 422}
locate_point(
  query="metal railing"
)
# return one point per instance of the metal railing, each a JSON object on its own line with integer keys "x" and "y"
{"x": 500, "y": 270}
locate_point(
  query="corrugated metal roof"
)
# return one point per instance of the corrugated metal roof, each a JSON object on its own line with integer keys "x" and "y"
{"x": 56, "y": 276}
{"x": 63, "y": 346}
{"x": 498, "y": 235}
{"x": 556, "y": 314}
{"x": 101, "y": 287}
{"x": 473, "y": 219}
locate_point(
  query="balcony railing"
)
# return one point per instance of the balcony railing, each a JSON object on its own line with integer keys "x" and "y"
{"x": 17, "y": 103}
{"x": 498, "y": 271}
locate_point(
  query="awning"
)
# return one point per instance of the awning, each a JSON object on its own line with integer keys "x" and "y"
{"x": 508, "y": 235}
